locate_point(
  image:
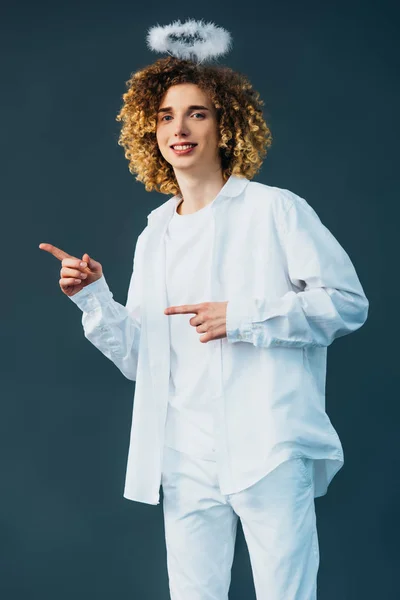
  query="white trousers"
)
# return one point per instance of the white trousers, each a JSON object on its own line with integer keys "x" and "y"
{"x": 279, "y": 524}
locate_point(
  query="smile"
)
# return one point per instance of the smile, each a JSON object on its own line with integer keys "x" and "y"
{"x": 183, "y": 148}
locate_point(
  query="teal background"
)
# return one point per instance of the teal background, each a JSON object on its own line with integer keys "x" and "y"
{"x": 329, "y": 76}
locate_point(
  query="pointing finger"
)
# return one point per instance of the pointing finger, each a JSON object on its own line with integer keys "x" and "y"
{"x": 57, "y": 252}
{"x": 174, "y": 310}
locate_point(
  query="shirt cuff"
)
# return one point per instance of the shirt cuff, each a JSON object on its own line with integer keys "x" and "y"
{"x": 93, "y": 295}
{"x": 239, "y": 326}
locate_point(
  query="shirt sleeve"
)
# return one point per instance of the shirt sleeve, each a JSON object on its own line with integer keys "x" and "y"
{"x": 110, "y": 326}
{"x": 332, "y": 302}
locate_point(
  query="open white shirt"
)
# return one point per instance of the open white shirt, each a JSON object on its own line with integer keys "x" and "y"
{"x": 291, "y": 290}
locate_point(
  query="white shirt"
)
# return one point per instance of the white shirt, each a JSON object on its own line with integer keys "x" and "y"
{"x": 291, "y": 290}
{"x": 190, "y": 425}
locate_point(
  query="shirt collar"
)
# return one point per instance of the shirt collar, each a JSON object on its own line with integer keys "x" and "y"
{"x": 233, "y": 187}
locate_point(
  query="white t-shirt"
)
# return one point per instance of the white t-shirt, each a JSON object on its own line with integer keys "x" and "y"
{"x": 188, "y": 244}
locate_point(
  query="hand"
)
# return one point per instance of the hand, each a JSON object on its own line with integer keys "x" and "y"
{"x": 210, "y": 318}
{"x": 74, "y": 277}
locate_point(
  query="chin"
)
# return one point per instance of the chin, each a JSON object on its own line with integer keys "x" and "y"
{"x": 179, "y": 164}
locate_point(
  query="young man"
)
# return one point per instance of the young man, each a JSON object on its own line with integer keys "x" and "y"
{"x": 237, "y": 290}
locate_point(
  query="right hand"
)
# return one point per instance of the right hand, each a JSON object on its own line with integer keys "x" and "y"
{"x": 74, "y": 277}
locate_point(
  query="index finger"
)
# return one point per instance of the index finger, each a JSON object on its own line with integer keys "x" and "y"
{"x": 186, "y": 308}
{"x": 57, "y": 252}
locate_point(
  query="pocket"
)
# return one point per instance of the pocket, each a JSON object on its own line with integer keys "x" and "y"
{"x": 306, "y": 467}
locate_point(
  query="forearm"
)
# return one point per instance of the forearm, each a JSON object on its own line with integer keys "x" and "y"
{"x": 310, "y": 318}
{"x": 110, "y": 327}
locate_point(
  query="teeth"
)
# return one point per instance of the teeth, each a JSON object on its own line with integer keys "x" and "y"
{"x": 184, "y": 147}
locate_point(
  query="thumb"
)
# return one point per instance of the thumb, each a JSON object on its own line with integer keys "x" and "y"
{"x": 92, "y": 264}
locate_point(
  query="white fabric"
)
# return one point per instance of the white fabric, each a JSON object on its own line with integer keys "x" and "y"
{"x": 190, "y": 425}
{"x": 279, "y": 524}
{"x": 291, "y": 290}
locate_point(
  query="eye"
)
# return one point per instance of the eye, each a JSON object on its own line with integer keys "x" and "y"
{"x": 202, "y": 115}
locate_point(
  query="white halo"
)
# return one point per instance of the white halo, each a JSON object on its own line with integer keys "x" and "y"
{"x": 208, "y": 39}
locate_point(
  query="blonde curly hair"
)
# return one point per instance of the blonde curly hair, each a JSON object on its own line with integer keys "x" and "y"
{"x": 243, "y": 133}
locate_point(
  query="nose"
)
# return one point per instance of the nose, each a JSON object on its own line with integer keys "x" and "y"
{"x": 181, "y": 127}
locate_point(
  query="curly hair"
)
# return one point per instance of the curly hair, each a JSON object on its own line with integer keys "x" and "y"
{"x": 243, "y": 133}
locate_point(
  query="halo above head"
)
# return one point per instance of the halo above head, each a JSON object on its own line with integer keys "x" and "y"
{"x": 193, "y": 40}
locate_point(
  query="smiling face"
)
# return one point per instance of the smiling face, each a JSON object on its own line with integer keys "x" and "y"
{"x": 187, "y": 116}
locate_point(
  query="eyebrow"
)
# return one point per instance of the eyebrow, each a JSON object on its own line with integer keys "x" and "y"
{"x": 192, "y": 107}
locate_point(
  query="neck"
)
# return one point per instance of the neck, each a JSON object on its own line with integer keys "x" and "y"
{"x": 197, "y": 191}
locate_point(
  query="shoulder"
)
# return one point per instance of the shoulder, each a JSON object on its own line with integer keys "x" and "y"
{"x": 280, "y": 200}
{"x": 273, "y": 193}
{"x": 162, "y": 209}
{"x": 289, "y": 210}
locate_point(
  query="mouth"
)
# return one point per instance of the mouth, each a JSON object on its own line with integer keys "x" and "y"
{"x": 183, "y": 148}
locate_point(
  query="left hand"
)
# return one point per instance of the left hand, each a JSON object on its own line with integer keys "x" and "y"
{"x": 210, "y": 318}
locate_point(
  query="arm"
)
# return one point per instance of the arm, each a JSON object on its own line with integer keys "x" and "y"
{"x": 333, "y": 303}
{"x": 113, "y": 328}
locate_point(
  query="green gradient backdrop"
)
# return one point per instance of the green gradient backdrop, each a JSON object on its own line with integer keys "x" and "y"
{"x": 329, "y": 76}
